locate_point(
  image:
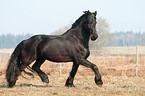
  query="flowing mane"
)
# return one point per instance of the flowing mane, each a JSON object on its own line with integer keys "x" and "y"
{"x": 79, "y": 21}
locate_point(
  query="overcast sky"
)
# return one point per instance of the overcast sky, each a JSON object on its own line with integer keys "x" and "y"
{"x": 46, "y": 16}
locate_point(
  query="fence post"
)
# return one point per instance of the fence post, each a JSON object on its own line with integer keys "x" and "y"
{"x": 0, "y": 59}
{"x": 59, "y": 68}
{"x": 137, "y": 51}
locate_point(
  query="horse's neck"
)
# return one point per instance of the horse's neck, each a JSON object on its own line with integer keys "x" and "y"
{"x": 78, "y": 34}
{"x": 86, "y": 37}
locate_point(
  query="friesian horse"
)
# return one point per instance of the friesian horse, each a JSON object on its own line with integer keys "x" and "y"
{"x": 72, "y": 46}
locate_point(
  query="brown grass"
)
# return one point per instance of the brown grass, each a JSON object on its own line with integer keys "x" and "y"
{"x": 118, "y": 73}
{"x": 85, "y": 86}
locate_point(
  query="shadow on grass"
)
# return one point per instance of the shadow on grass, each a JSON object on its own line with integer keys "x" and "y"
{"x": 28, "y": 85}
{"x": 0, "y": 73}
{"x": 3, "y": 86}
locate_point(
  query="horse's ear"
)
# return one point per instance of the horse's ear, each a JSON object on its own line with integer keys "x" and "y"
{"x": 87, "y": 12}
{"x": 95, "y": 13}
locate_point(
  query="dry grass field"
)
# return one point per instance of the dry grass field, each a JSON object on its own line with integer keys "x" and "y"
{"x": 118, "y": 73}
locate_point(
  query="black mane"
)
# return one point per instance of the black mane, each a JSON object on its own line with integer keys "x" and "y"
{"x": 79, "y": 21}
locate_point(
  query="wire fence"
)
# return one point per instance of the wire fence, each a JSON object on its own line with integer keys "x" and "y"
{"x": 131, "y": 64}
{"x": 117, "y": 64}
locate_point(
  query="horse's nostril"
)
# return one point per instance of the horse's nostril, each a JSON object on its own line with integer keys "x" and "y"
{"x": 94, "y": 37}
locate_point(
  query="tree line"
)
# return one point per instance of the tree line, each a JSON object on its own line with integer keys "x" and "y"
{"x": 128, "y": 38}
{"x": 11, "y": 40}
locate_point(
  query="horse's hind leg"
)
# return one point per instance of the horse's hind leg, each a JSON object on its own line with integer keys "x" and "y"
{"x": 36, "y": 67}
{"x": 69, "y": 82}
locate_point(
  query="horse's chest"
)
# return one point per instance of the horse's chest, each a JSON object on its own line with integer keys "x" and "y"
{"x": 84, "y": 52}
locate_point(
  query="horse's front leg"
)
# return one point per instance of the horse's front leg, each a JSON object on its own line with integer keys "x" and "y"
{"x": 86, "y": 63}
{"x": 69, "y": 81}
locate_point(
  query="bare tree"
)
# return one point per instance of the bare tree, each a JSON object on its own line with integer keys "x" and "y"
{"x": 61, "y": 30}
{"x": 104, "y": 35}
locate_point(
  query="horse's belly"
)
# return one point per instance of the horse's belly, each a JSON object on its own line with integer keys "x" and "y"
{"x": 59, "y": 58}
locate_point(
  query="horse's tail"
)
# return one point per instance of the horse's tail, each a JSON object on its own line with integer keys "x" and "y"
{"x": 13, "y": 71}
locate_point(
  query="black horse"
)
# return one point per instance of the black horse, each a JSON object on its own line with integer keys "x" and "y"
{"x": 72, "y": 46}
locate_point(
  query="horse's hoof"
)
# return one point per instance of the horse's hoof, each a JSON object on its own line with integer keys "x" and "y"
{"x": 69, "y": 85}
{"x": 99, "y": 85}
{"x": 46, "y": 81}
{"x": 99, "y": 82}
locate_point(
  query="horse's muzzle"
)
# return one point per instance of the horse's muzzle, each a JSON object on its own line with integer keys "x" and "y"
{"x": 94, "y": 37}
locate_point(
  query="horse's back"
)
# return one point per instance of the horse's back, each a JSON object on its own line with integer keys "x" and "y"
{"x": 35, "y": 45}
{"x": 29, "y": 48}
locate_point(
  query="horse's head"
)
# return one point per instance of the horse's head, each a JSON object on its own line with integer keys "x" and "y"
{"x": 90, "y": 24}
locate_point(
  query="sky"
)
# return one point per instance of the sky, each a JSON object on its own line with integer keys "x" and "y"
{"x": 46, "y": 16}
